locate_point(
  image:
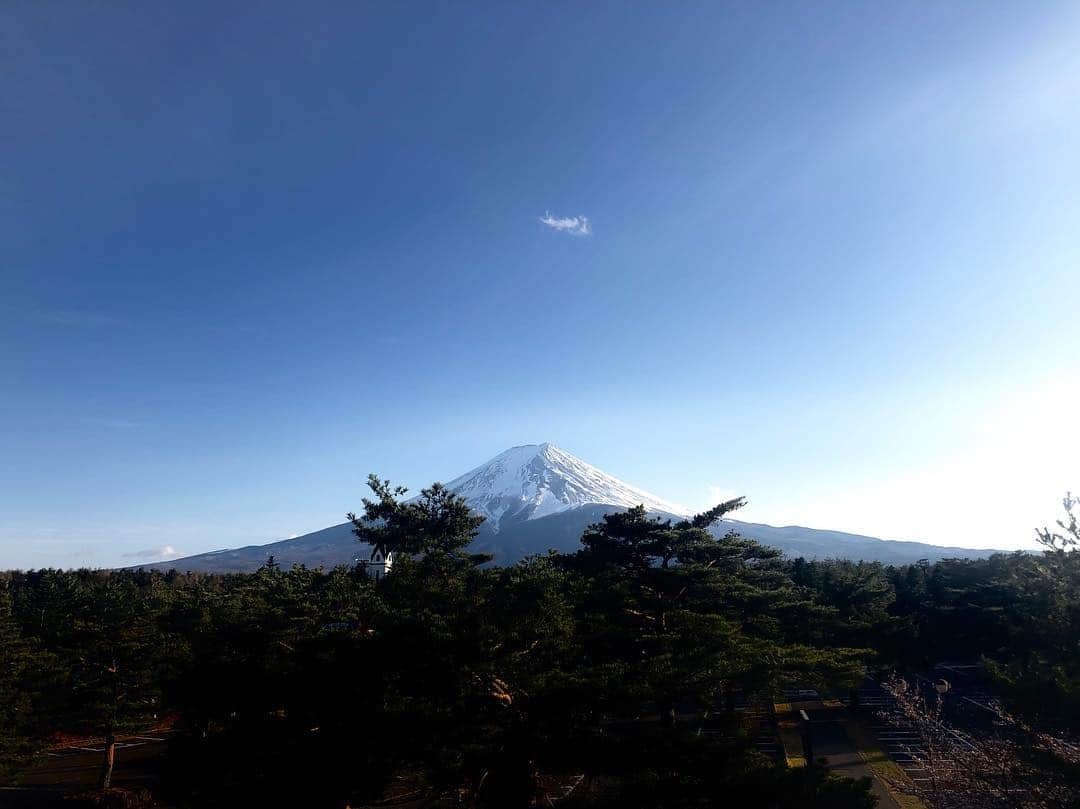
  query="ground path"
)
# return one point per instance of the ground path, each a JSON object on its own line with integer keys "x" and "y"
{"x": 831, "y": 742}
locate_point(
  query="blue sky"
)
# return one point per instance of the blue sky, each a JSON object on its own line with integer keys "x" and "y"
{"x": 249, "y": 255}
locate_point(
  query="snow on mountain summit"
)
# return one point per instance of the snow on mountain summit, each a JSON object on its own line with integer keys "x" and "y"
{"x": 536, "y": 480}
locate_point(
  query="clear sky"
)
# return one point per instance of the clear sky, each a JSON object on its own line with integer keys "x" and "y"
{"x": 826, "y": 255}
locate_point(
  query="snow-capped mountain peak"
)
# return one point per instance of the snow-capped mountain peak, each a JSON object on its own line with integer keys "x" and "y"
{"x": 535, "y": 480}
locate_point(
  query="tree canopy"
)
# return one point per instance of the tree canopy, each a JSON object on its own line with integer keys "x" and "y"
{"x": 591, "y": 676}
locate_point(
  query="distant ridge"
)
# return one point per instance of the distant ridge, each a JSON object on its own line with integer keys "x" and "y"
{"x": 537, "y": 497}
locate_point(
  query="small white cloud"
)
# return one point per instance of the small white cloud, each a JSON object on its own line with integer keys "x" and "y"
{"x": 719, "y": 494}
{"x": 154, "y": 554}
{"x": 576, "y": 225}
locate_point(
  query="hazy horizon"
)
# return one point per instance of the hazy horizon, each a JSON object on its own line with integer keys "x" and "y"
{"x": 824, "y": 257}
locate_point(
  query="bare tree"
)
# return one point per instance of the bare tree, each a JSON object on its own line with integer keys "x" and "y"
{"x": 1012, "y": 768}
{"x": 1069, "y": 539}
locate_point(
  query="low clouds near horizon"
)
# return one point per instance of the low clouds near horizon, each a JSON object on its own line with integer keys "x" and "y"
{"x": 719, "y": 494}
{"x": 576, "y": 225}
{"x": 161, "y": 554}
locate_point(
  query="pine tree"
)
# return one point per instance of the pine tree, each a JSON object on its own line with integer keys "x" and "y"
{"x": 674, "y": 614}
{"x": 438, "y": 523}
{"x": 23, "y": 677}
{"x": 1042, "y": 596}
{"x": 114, "y": 647}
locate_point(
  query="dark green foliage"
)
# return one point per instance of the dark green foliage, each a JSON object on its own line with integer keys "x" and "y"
{"x": 437, "y": 523}
{"x": 24, "y": 680}
{"x": 1041, "y": 672}
{"x": 857, "y": 598}
{"x": 454, "y": 681}
{"x": 673, "y": 614}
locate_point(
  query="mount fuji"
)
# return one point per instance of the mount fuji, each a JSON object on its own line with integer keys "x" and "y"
{"x": 538, "y": 480}
{"x": 538, "y": 497}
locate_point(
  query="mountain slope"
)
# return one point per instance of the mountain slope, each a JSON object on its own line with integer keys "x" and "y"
{"x": 537, "y": 480}
{"x": 562, "y": 532}
{"x": 538, "y": 497}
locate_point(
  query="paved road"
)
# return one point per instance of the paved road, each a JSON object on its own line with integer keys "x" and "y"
{"x": 833, "y": 744}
